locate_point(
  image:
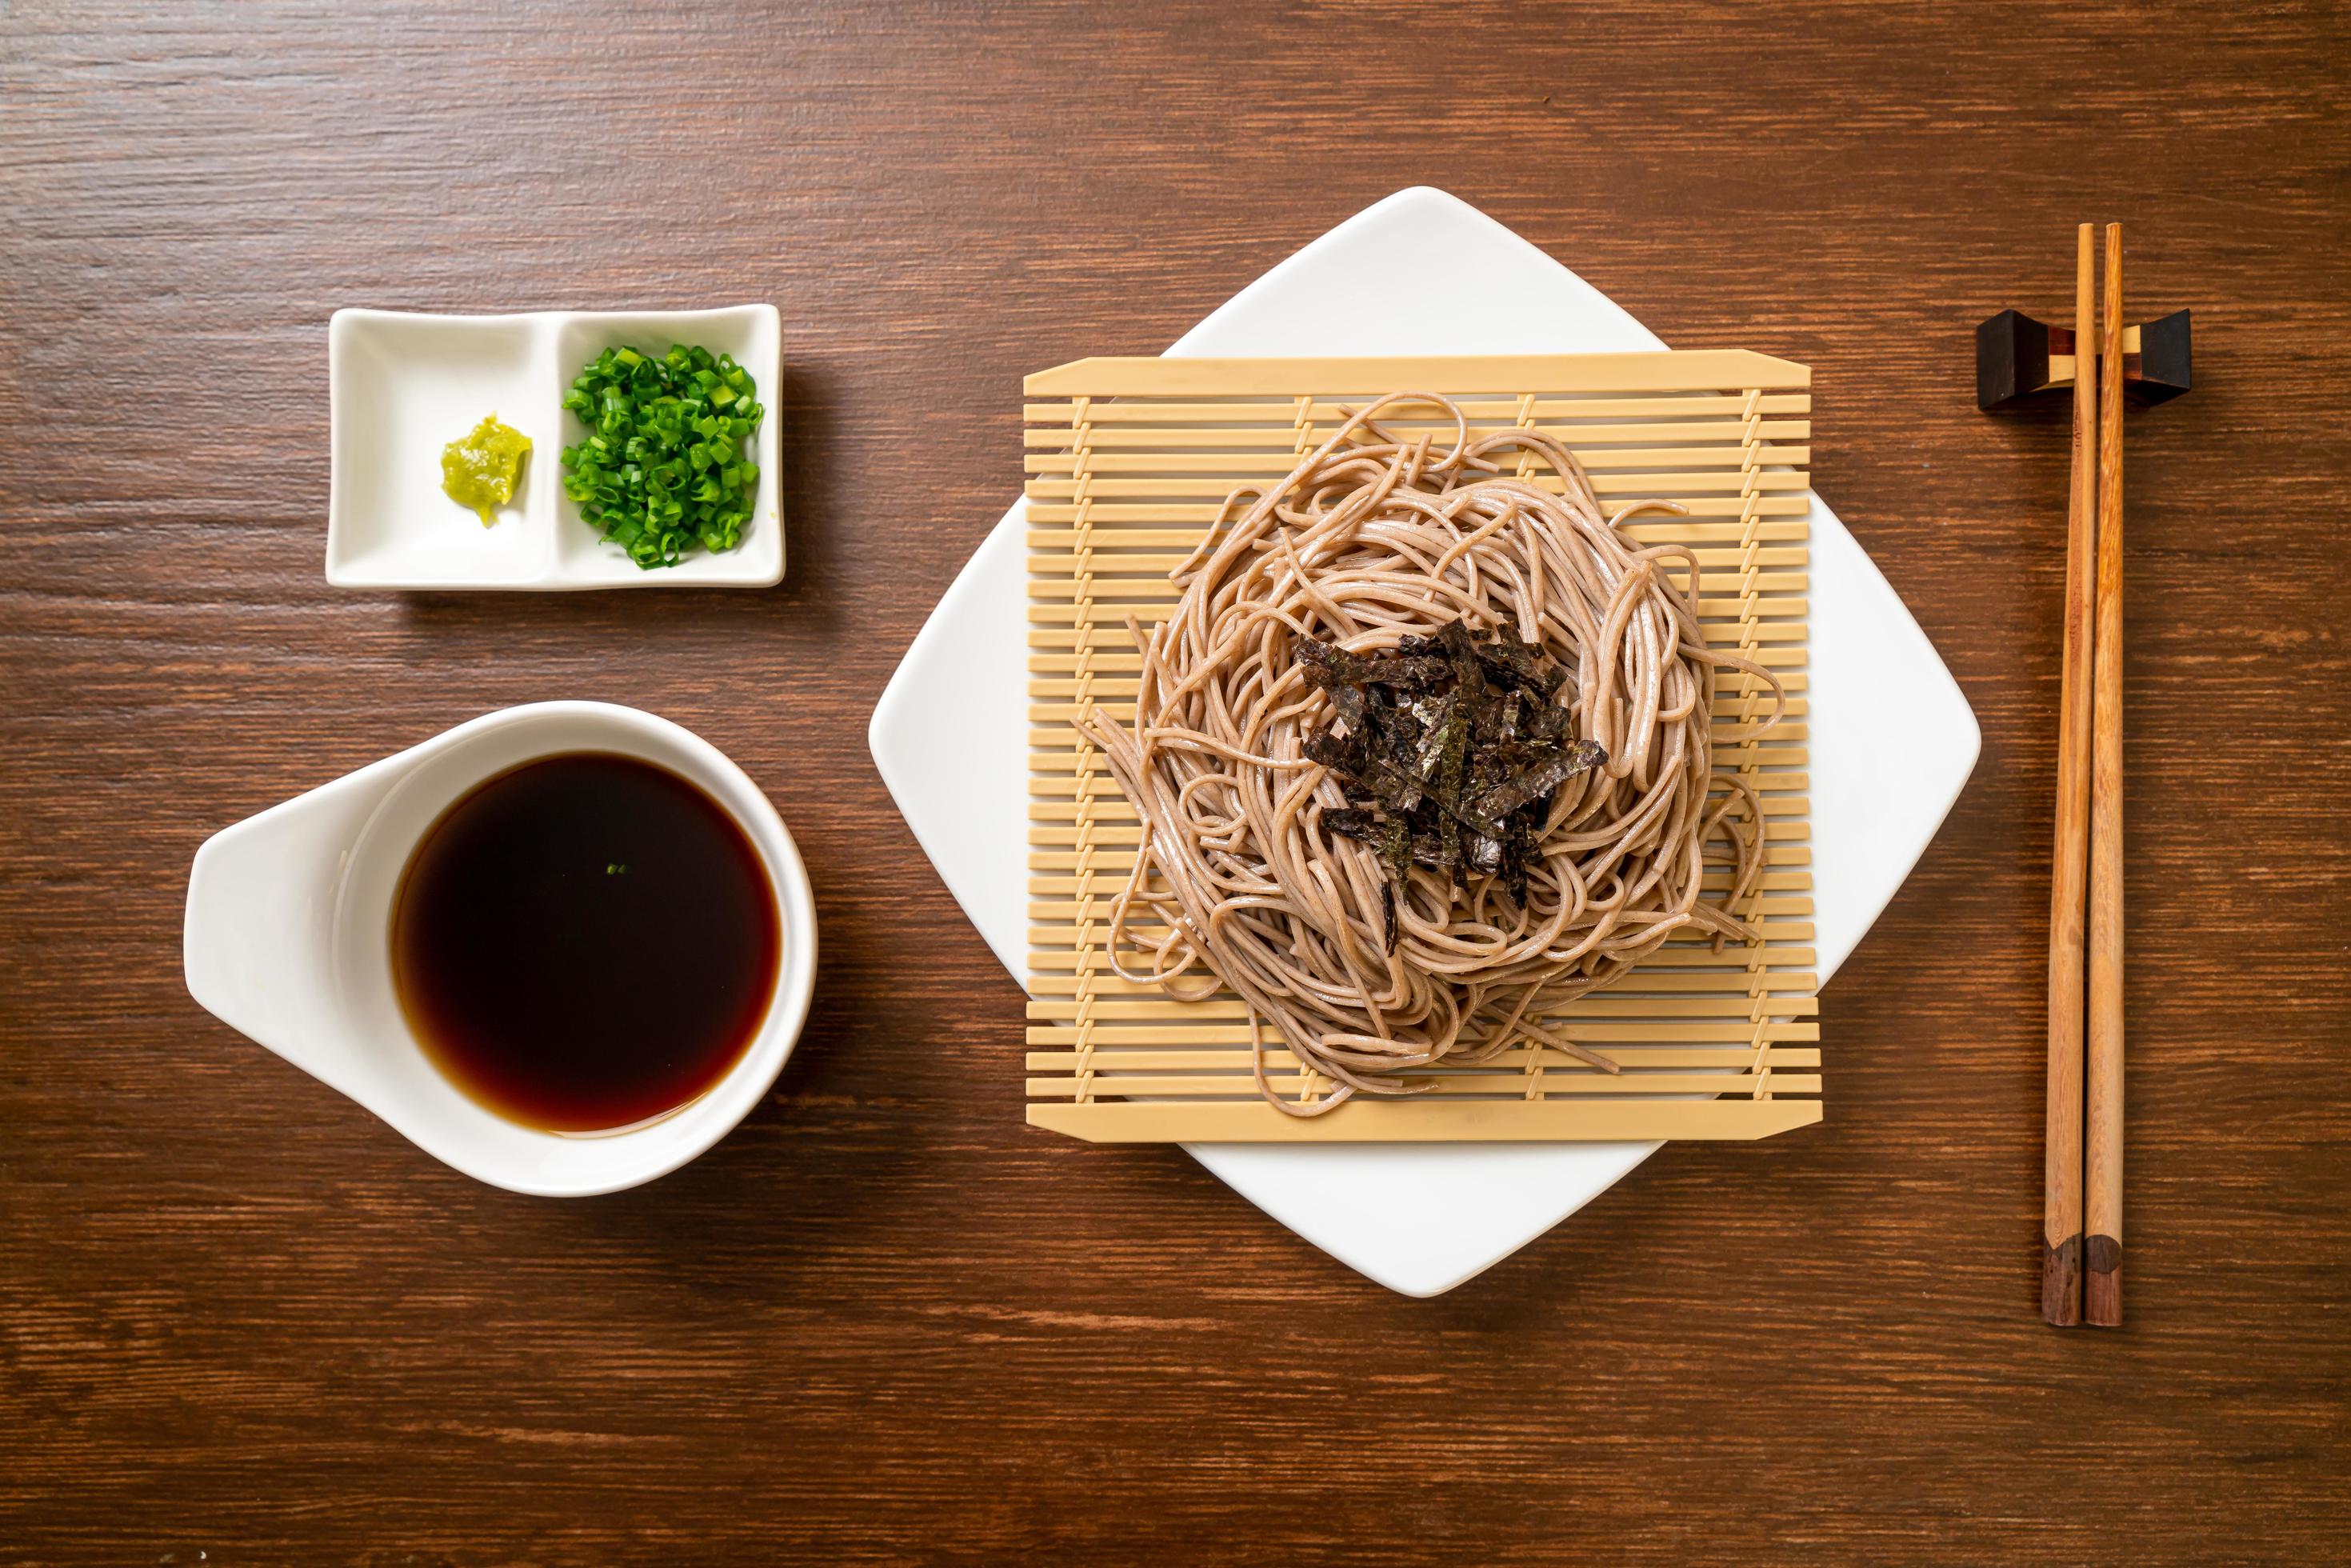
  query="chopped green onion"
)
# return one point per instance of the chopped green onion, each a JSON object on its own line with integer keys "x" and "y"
{"x": 663, "y": 467}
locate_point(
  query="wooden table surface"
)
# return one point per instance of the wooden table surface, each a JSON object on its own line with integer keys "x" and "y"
{"x": 243, "y": 1322}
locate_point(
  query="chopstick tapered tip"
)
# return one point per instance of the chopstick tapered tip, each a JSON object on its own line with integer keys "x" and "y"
{"x": 2102, "y": 1286}
{"x": 2061, "y": 1282}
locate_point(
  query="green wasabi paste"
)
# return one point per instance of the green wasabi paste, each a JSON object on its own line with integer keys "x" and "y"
{"x": 481, "y": 470}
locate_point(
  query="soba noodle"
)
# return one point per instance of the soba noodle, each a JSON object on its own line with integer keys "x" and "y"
{"x": 1375, "y": 537}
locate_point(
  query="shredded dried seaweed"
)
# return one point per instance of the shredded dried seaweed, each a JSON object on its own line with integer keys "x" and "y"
{"x": 1448, "y": 750}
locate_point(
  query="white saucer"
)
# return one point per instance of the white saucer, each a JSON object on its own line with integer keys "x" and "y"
{"x": 1892, "y": 739}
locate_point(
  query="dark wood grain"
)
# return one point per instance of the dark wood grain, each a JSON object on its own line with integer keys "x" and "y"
{"x": 241, "y": 1321}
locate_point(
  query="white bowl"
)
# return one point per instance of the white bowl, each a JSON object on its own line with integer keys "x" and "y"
{"x": 401, "y": 386}
{"x": 1892, "y": 738}
{"x": 287, "y": 940}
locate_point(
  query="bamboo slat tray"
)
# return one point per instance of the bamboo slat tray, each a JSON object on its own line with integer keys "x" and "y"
{"x": 1127, "y": 461}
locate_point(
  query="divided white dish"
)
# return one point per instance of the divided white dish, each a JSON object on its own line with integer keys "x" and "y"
{"x": 403, "y": 385}
{"x": 1892, "y": 738}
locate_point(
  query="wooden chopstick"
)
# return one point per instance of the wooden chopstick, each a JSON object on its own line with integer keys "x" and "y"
{"x": 2061, "y": 1225}
{"x": 2103, "y": 1279}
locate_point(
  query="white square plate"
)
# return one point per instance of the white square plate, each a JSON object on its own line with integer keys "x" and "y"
{"x": 403, "y": 386}
{"x": 1892, "y": 739}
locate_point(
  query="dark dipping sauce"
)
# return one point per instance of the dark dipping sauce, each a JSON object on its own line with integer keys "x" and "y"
{"x": 585, "y": 942}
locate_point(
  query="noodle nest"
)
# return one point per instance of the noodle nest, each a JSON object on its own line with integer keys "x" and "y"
{"x": 1373, "y": 538}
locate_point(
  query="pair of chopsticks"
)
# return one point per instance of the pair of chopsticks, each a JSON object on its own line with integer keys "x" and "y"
{"x": 2082, "y": 1261}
